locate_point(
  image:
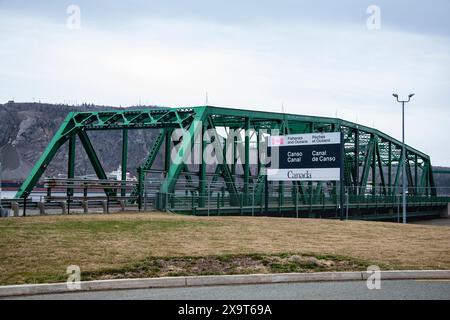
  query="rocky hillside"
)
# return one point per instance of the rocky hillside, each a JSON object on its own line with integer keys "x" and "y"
{"x": 27, "y": 128}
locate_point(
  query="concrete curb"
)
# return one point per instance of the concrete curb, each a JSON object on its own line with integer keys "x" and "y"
{"x": 412, "y": 275}
{"x": 191, "y": 281}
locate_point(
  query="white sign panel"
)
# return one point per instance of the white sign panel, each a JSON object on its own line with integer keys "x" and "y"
{"x": 327, "y": 174}
{"x": 306, "y": 157}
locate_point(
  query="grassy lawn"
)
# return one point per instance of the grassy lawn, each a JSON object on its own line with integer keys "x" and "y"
{"x": 38, "y": 249}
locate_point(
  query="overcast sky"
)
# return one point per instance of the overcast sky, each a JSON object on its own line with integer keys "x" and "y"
{"x": 315, "y": 57}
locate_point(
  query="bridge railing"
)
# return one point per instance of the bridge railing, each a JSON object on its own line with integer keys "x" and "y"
{"x": 301, "y": 200}
{"x": 66, "y": 195}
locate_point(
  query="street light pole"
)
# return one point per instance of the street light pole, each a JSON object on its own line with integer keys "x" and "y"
{"x": 403, "y": 152}
{"x": 0, "y": 185}
{"x": 403, "y": 163}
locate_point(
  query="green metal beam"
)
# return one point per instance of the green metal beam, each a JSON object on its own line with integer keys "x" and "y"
{"x": 167, "y": 149}
{"x": 366, "y": 167}
{"x": 348, "y": 179}
{"x": 124, "y": 159}
{"x": 416, "y": 174}
{"x": 390, "y": 168}
{"x": 409, "y": 176}
{"x": 431, "y": 180}
{"x": 247, "y": 159}
{"x": 153, "y": 153}
{"x": 71, "y": 161}
{"x": 195, "y": 129}
{"x": 356, "y": 171}
{"x": 441, "y": 171}
{"x": 202, "y": 171}
{"x": 380, "y": 168}
{"x": 374, "y": 165}
{"x": 57, "y": 141}
{"x": 398, "y": 174}
{"x": 93, "y": 158}
{"x": 229, "y": 181}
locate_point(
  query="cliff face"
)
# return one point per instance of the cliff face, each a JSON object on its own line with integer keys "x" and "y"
{"x": 27, "y": 128}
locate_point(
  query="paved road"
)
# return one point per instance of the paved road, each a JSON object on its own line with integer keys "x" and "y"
{"x": 320, "y": 290}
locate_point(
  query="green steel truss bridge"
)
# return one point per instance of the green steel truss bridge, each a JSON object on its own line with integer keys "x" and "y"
{"x": 372, "y": 164}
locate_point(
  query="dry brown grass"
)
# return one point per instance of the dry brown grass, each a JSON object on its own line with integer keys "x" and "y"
{"x": 37, "y": 249}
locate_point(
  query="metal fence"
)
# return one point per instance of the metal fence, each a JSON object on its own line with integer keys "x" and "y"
{"x": 215, "y": 197}
{"x": 288, "y": 199}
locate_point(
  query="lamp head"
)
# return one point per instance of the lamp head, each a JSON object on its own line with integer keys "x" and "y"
{"x": 411, "y": 95}
{"x": 395, "y": 95}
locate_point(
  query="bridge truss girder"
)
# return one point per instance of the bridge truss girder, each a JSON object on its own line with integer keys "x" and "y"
{"x": 369, "y": 153}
